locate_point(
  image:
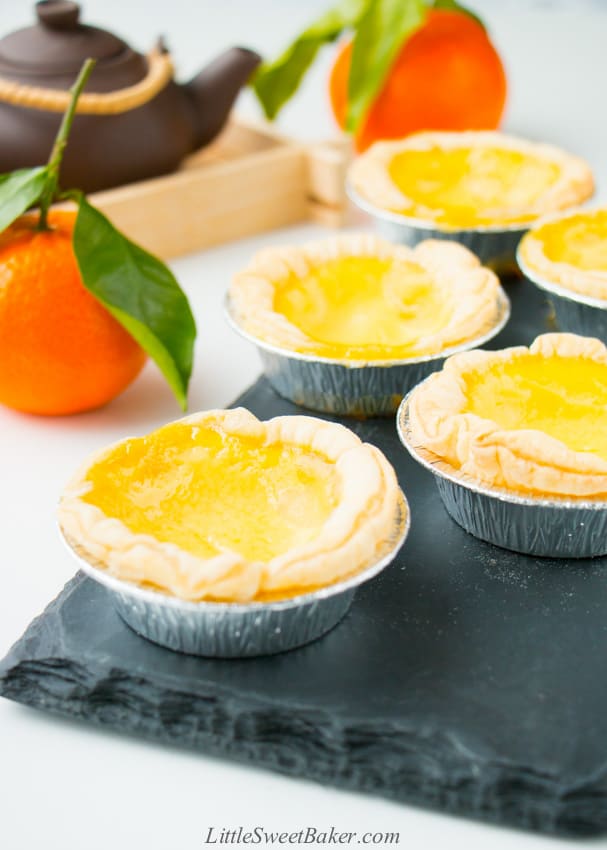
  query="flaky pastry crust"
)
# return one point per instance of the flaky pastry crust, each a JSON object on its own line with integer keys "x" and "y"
{"x": 474, "y": 289}
{"x": 535, "y": 263}
{"x": 370, "y": 178}
{"x": 525, "y": 460}
{"x": 355, "y": 531}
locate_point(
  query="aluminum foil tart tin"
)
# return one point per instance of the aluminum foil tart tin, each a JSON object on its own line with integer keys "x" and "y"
{"x": 494, "y": 245}
{"x": 354, "y": 388}
{"x": 574, "y": 312}
{"x": 237, "y": 630}
{"x": 548, "y": 527}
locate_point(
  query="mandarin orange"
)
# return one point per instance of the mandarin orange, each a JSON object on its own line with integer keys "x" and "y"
{"x": 447, "y": 76}
{"x": 61, "y": 351}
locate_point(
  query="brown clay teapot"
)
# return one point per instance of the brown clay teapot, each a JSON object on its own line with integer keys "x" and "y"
{"x": 133, "y": 121}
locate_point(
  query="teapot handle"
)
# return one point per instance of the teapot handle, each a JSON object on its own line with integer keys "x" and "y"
{"x": 160, "y": 73}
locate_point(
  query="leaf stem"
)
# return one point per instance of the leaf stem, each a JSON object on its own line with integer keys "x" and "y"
{"x": 54, "y": 161}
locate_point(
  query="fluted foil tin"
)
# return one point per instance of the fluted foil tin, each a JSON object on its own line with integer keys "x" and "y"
{"x": 236, "y": 630}
{"x": 547, "y": 527}
{"x": 354, "y": 388}
{"x": 574, "y": 312}
{"x": 494, "y": 245}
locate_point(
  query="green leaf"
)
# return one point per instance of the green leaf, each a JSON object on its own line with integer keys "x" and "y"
{"x": 276, "y": 82}
{"x": 139, "y": 291}
{"x": 18, "y": 191}
{"x": 453, "y": 6}
{"x": 381, "y": 32}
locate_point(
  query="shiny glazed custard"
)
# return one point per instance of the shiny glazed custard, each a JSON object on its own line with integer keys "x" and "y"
{"x": 467, "y": 187}
{"x": 364, "y": 307}
{"x": 207, "y": 491}
{"x": 563, "y": 397}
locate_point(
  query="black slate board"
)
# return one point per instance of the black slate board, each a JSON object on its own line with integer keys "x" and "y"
{"x": 465, "y": 677}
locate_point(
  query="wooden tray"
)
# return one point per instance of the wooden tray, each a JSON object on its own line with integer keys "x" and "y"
{"x": 248, "y": 181}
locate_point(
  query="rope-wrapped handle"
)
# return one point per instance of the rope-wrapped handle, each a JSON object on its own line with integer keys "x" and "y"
{"x": 160, "y": 72}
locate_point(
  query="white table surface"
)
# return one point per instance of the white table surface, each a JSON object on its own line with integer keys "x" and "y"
{"x": 72, "y": 787}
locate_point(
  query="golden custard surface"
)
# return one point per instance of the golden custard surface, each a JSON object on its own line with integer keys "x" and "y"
{"x": 364, "y": 307}
{"x": 471, "y": 186}
{"x": 209, "y": 492}
{"x": 579, "y": 240}
{"x": 564, "y": 397}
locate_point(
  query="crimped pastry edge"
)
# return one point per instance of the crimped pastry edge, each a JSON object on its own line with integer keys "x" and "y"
{"x": 526, "y": 460}
{"x": 368, "y": 175}
{"x": 353, "y": 533}
{"x": 535, "y": 263}
{"x": 455, "y": 269}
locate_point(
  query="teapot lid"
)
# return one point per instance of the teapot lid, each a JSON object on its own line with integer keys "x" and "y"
{"x": 58, "y": 43}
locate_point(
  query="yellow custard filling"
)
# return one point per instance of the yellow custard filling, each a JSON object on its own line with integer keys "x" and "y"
{"x": 469, "y": 186}
{"x": 564, "y": 397}
{"x": 364, "y": 307}
{"x": 208, "y": 491}
{"x": 578, "y": 240}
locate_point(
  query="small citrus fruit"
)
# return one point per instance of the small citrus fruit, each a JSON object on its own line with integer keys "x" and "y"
{"x": 61, "y": 351}
{"x": 447, "y": 76}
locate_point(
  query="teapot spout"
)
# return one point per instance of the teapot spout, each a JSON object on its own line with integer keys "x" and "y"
{"x": 215, "y": 88}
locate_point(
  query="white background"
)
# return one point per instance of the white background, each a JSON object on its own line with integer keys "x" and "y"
{"x": 65, "y": 786}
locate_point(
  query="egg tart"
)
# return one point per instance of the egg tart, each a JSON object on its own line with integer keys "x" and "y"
{"x": 570, "y": 251}
{"x": 347, "y": 325}
{"x": 469, "y": 180}
{"x": 530, "y": 420}
{"x": 359, "y": 298}
{"x": 223, "y": 506}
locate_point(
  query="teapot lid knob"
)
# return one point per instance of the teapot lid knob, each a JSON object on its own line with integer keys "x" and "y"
{"x": 58, "y": 14}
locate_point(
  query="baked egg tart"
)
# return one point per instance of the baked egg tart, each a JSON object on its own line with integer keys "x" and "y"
{"x": 481, "y": 188}
{"x": 349, "y": 324}
{"x": 222, "y": 506}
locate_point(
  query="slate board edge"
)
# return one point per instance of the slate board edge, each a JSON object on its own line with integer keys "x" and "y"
{"x": 436, "y": 774}
{"x": 385, "y": 760}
